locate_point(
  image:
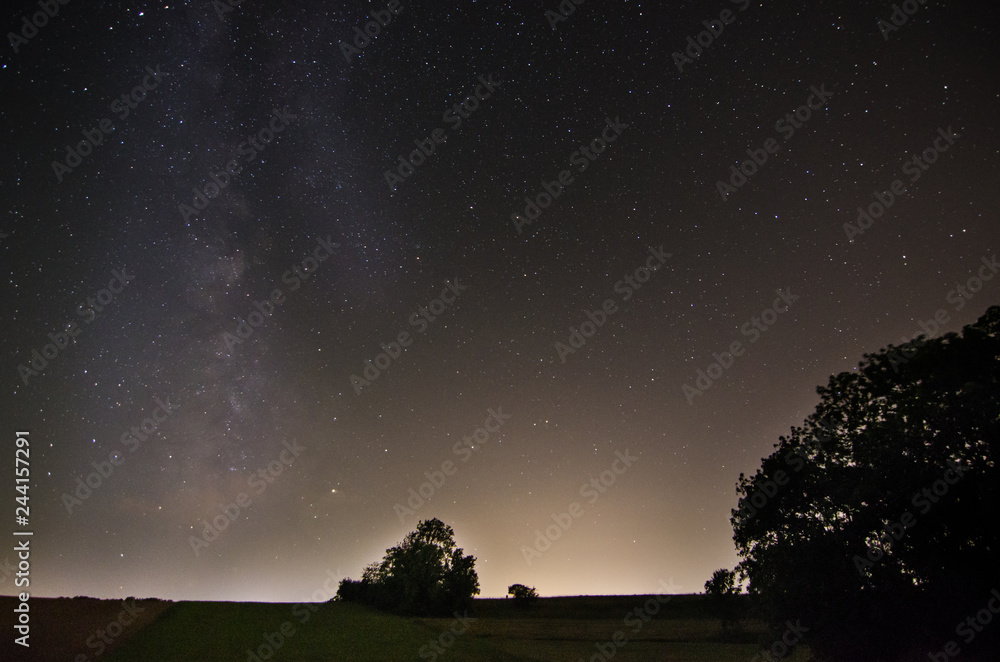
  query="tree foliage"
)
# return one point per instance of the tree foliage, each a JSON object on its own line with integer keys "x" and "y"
{"x": 426, "y": 574}
{"x": 875, "y": 521}
{"x": 523, "y": 595}
{"x": 723, "y": 590}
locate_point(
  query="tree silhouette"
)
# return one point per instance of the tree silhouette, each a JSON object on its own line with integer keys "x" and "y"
{"x": 875, "y": 521}
{"x": 426, "y": 574}
{"x": 523, "y": 595}
{"x": 723, "y": 590}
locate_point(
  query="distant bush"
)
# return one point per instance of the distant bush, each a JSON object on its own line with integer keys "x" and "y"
{"x": 523, "y": 595}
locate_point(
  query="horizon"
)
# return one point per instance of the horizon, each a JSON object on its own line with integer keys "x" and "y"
{"x": 478, "y": 597}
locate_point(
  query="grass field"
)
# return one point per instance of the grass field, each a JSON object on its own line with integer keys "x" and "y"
{"x": 557, "y": 629}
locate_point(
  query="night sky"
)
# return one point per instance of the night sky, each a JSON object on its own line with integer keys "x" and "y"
{"x": 209, "y": 332}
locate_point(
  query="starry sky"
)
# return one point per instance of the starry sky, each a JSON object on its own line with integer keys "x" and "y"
{"x": 525, "y": 366}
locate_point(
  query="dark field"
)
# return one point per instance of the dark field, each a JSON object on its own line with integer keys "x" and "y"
{"x": 559, "y": 629}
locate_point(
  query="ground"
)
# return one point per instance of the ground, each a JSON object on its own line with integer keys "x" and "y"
{"x": 555, "y": 629}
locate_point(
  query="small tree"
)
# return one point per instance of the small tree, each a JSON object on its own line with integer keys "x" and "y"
{"x": 523, "y": 595}
{"x": 723, "y": 590}
{"x": 424, "y": 575}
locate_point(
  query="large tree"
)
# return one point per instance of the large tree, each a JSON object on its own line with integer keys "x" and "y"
{"x": 426, "y": 574}
{"x": 875, "y": 523}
